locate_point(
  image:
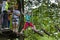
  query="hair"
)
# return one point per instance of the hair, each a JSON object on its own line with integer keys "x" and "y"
{"x": 1, "y": 2}
{"x": 11, "y": 9}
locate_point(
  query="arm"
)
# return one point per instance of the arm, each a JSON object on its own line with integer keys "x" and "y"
{"x": 24, "y": 13}
{"x": 18, "y": 14}
{"x": 9, "y": 13}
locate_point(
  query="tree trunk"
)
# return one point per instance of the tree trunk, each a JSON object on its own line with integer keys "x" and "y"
{"x": 21, "y": 23}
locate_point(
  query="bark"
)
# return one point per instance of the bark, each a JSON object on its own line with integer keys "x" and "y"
{"x": 21, "y": 6}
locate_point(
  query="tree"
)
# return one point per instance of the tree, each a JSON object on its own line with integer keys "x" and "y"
{"x": 21, "y": 6}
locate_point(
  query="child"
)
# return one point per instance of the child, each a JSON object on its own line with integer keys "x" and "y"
{"x": 10, "y": 11}
{"x": 28, "y": 23}
{"x": 15, "y": 19}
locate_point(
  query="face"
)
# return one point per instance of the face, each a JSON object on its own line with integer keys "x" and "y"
{"x": 16, "y": 6}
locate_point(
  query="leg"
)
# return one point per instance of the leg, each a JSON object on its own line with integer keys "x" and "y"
{"x": 14, "y": 27}
{"x": 5, "y": 19}
{"x": 17, "y": 26}
{"x": 33, "y": 27}
{"x": 25, "y": 26}
{"x": 35, "y": 30}
{"x": 8, "y": 23}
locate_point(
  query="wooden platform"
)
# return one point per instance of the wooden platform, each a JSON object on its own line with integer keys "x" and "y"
{"x": 7, "y": 33}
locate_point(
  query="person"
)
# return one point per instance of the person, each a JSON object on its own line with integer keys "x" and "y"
{"x": 5, "y": 13}
{"x": 28, "y": 23}
{"x": 15, "y": 19}
{"x": 0, "y": 14}
{"x": 10, "y": 11}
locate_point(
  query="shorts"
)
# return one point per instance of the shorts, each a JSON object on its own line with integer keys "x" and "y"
{"x": 15, "y": 21}
{"x": 28, "y": 24}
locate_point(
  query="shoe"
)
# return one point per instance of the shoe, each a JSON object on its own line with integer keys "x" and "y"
{"x": 22, "y": 34}
{"x": 6, "y": 28}
{"x": 18, "y": 35}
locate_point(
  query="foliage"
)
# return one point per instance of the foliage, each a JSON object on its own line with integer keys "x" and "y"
{"x": 44, "y": 17}
{"x": 47, "y": 18}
